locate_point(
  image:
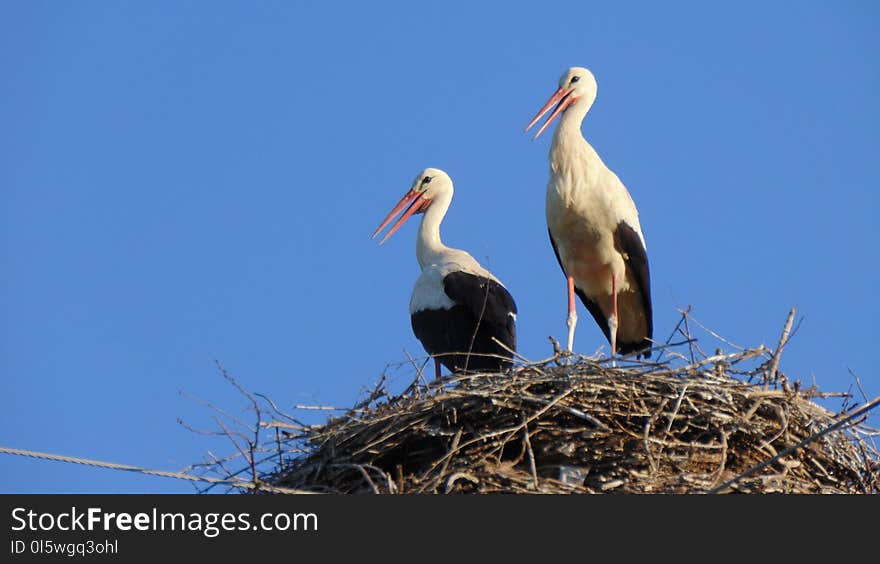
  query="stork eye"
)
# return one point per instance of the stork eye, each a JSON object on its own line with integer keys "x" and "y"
{"x": 575, "y": 79}
{"x": 426, "y": 180}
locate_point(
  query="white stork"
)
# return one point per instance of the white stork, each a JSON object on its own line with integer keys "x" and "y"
{"x": 594, "y": 226}
{"x": 458, "y": 308}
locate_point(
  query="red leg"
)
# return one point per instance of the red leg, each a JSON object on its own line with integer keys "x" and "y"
{"x": 436, "y": 369}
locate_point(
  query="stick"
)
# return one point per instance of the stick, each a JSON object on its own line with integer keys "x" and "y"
{"x": 511, "y": 351}
{"x": 783, "y": 340}
{"x": 532, "y": 466}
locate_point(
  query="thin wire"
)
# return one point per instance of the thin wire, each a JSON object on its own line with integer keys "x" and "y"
{"x": 163, "y": 473}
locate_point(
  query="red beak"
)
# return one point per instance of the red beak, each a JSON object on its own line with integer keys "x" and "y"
{"x": 564, "y": 98}
{"x": 416, "y": 203}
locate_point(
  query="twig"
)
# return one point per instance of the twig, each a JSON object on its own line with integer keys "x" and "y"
{"x": 211, "y": 406}
{"x": 511, "y": 351}
{"x": 673, "y": 414}
{"x": 570, "y": 410}
{"x": 532, "y": 466}
{"x": 287, "y": 416}
{"x": 419, "y": 374}
{"x": 720, "y": 471}
{"x": 716, "y": 335}
{"x": 452, "y": 448}
{"x": 687, "y": 332}
{"x": 674, "y": 331}
{"x": 467, "y": 357}
{"x": 783, "y": 340}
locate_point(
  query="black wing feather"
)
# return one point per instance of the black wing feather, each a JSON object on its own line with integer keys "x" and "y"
{"x": 628, "y": 242}
{"x": 489, "y": 302}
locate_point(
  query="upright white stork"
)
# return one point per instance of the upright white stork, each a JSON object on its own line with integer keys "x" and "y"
{"x": 458, "y": 308}
{"x": 594, "y": 225}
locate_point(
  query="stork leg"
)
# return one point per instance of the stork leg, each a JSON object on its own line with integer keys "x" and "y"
{"x": 437, "y": 375}
{"x": 612, "y": 321}
{"x": 572, "y": 314}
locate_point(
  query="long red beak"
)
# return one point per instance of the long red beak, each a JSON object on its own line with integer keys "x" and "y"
{"x": 416, "y": 203}
{"x": 564, "y": 98}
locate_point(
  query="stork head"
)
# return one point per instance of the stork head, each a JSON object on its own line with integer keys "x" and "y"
{"x": 577, "y": 84}
{"x": 430, "y": 184}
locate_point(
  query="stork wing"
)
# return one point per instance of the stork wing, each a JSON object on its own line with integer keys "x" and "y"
{"x": 628, "y": 242}
{"x": 489, "y": 301}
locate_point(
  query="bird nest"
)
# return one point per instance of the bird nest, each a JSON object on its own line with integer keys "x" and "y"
{"x": 573, "y": 424}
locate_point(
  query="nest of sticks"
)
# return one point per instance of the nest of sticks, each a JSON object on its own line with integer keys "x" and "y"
{"x": 572, "y": 424}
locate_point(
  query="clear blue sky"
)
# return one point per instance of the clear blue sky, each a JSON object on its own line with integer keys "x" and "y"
{"x": 185, "y": 182}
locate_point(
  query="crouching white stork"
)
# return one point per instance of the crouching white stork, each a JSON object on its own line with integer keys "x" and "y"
{"x": 594, "y": 226}
{"x": 459, "y": 310}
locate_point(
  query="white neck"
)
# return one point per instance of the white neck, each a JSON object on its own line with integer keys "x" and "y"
{"x": 429, "y": 247}
{"x": 570, "y": 122}
{"x": 574, "y": 164}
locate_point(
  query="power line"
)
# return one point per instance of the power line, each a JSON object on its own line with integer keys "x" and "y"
{"x": 150, "y": 472}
